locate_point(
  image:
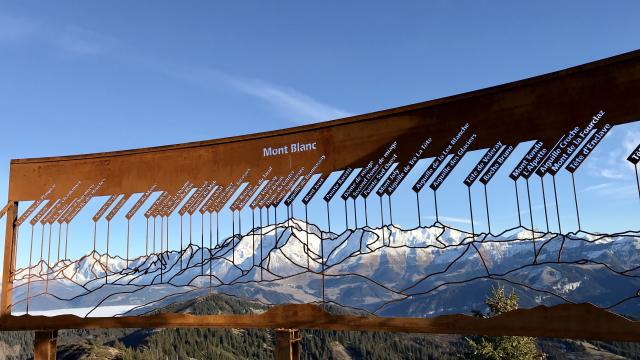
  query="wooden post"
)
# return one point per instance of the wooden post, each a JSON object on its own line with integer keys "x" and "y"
{"x": 45, "y": 345}
{"x": 287, "y": 344}
{"x": 9, "y": 259}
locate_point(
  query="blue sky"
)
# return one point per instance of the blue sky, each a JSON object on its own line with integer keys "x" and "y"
{"x": 80, "y": 77}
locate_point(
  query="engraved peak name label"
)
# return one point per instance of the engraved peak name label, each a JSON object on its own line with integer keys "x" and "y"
{"x": 84, "y": 200}
{"x": 266, "y": 200}
{"x": 67, "y": 211}
{"x": 370, "y": 174}
{"x": 289, "y": 186}
{"x": 241, "y": 201}
{"x": 104, "y": 207}
{"x": 379, "y": 175}
{"x": 195, "y": 197}
{"x": 152, "y": 209}
{"x": 571, "y": 148}
{"x": 42, "y": 212}
{"x": 422, "y": 181}
{"x": 140, "y": 202}
{"x": 206, "y": 207}
{"x": 164, "y": 197}
{"x": 393, "y": 181}
{"x": 171, "y": 205}
{"x": 224, "y": 198}
{"x": 206, "y": 191}
{"x": 352, "y": 186}
{"x": 455, "y": 160}
{"x": 281, "y": 188}
{"x": 634, "y": 157}
{"x": 292, "y": 148}
{"x": 248, "y": 192}
{"x": 484, "y": 161}
{"x": 269, "y": 189}
{"x": 588, "y": 147}
{"x": 265, "y": 189}
{"x": 45, "y": 218}
{"x": 338, "y": 184}
{"x": 545, "y": 163}
{"x": 497, "y": 163}
{"x": 296, "y": 191}
{"x": 314, "y": 190}
{"x": 530, "y": 155}
{"x": 61, "y": 206}
{"x": 117, "y": 207}
{"x": 533, "y": 165}
{"x": 34, "y": 206}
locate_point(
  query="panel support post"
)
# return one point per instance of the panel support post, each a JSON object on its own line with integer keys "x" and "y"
{"x": 45, "y": 345}
{"x": 9, "y": 259}
{"x": 288, "y": 345}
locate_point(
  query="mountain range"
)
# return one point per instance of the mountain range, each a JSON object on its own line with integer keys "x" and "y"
{"x": 387, "y": 271}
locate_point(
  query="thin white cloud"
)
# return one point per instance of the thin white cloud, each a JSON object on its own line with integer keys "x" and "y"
{"x": 451, "y": 219}
{"x": 81, "y": 41}
{"x": 293, "y": 105}
{"x": 16, "y": 28}
{"x": 71, "y": 40}
{"x": 296, "y": 106}
{"x": 613, "y": 189}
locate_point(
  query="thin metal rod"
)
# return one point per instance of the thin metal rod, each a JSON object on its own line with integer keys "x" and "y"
{"x": 29, "y": 270}
{"x": 59, "y": 240}
{"x": 382, "y": 220}
{"x": 486, "y": 204}
{"x": 210, "y": 247}
{"x": 146, "y": 238}
{"x": 515, "y": 185}
{"x": 42, "y": 244}
{"x": 95, "y": 225}
{"x": 261, "y": 244}
{"x": 106, "y": 270}
{"x": 544, "y": 202}
{"x": 435, "y": 204}
{"x": 154, "y": 234}
{"x": 418, "y": 204}
{"x": 366, "y": 213}
{"x": 202, "y": 244}
{"x": 637, "y": 179}
{"x": 473, "y": 230}
{"x": 575, "y": 198}
{"x": 253, "y": 237}
{"x": 128, "y": 239}
{"x": 346, "y": 215}
{"x": 355, "y": 214}
{"x": 46, "y": 287}
{"x": 306, "y": 222}
{"x": 555, "y": 193}
{"x": 533, "y": 234}
{"x": 66, "y": 241}
{"x": 390, "y": 211}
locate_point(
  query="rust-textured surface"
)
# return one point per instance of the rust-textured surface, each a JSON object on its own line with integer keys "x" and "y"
{"x": 582, "y": 321}
{"x": 537, "y": 108}
{"x": 9, "y": 261}
{"x": 45, "y": 345}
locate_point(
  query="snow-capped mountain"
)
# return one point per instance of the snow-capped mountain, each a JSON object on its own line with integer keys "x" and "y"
{"x": 389, "y": 271}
